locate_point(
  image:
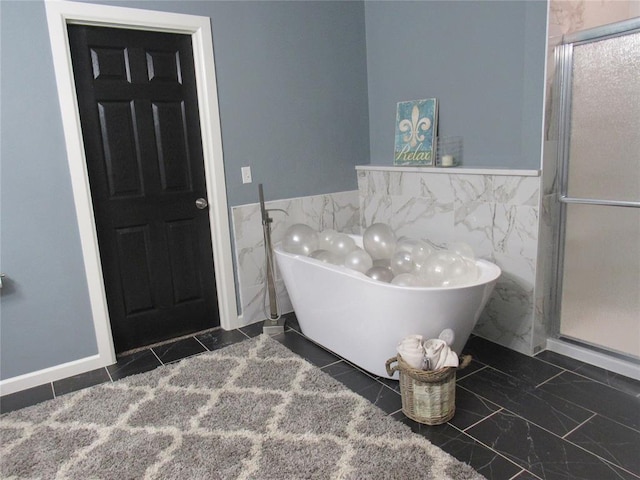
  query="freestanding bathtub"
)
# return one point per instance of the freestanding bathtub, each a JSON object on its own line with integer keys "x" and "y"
{"x": 363, "y": 320}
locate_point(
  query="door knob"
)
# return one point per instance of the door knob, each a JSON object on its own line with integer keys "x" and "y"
{"x": 201, "y": 203}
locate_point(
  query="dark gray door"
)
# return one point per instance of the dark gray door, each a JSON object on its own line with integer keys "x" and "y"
{"x": 139, "y": 114}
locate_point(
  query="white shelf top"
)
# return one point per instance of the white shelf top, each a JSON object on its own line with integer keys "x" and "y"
{"x": 451, "y": 170}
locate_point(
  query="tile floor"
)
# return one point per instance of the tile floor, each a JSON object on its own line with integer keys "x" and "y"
{"x": 517, "y": 417}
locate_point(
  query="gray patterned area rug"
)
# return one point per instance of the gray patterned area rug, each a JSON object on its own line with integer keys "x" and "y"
{"x": 253, "y": 410}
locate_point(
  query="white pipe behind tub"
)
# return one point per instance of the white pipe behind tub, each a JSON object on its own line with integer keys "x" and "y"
{"x": 363, "y": 320}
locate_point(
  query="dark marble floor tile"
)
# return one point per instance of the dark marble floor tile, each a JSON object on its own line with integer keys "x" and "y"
{"x": 308, "y": 350}
{"x": 382, "y": 397}
{"x": 138, "y": 362}
{"x": 611, "y": 441}
{"x": 252, "y": 330}
{"x": 558, "y": 360}
{"x": 540, "y": 407}
{"x": 171, "y": 352}
{"x": 509, "y": 361}
{"x": 217, "y": 339}
{"x": 470, "y": 408}
{"x": 350, "y": 376}
{"x": 594, "y": 396}
{"x": 390, "y": 382}
{"x": 464, "y": 448}
{"x": 615, "y": 380}
{"x": 540, "y": 452}
{"x": 291, "y": 321}
{"x": 619, "y": 382}
{"x": 525, "y": 475}
{"x": 473, "y": 367}
{"x": 78, "y": 382}
{"x": 26, "y": 398}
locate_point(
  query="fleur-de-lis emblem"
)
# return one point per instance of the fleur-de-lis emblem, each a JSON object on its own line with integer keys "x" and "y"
{"x": 414, "y": 127}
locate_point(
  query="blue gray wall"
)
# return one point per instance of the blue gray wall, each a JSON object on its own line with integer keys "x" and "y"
{"x": 45, "y": 316}
{"x": 482, "y": 60}
{"x": 293, "y": 105}
{"x": 292, "y": 81}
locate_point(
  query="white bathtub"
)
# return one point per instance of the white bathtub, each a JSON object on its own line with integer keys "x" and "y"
{"x": 362, "y": 319}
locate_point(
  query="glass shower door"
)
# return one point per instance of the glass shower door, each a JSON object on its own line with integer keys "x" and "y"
{"x": 599, "y": 261}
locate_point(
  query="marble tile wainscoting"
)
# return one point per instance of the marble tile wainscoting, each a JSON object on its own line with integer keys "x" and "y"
{"x": 495, "y": 211}
{"x": 338, "y": 211}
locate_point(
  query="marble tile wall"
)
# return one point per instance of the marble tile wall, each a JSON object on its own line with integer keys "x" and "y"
{"x": 565, "y": 17}
{"x": 337, "y": 211}
{"x": 497, "y": 214}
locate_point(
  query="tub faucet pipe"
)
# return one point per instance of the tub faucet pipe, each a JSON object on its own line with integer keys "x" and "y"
{"x": 274, "y": 323}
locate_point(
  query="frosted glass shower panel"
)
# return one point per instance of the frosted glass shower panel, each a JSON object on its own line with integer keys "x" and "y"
{"x": 604, "y": 146}
{"x": 601, "y": 284}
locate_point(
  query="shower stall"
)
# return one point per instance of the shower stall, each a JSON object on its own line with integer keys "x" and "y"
{"x": 597, "y": 305}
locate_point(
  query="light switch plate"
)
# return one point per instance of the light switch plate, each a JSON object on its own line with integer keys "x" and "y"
{"x": 246, "y": 174}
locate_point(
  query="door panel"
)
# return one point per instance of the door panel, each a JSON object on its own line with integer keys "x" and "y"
{"x": 599, "y": 271}
{"x": 134, "y": 243}
{"x": 605, "y": 120}
{"x": 121, "y": 152}
{"x": 170, "y": 130}
{"x": 601, "y": 277}
{"x": 141, "y": 131}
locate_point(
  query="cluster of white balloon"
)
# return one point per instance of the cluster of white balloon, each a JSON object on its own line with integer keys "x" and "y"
{"x": 401, "y": 261}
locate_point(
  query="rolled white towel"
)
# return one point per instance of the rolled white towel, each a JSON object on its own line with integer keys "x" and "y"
{"x": 432, "y": 354}
{"x": 439, "y": 355}
{"x": 411, "y": 351}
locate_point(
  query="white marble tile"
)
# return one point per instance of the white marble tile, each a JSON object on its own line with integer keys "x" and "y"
{"x": 256, "y": 309}
{"x": 423, "y": 184}
{"x": 436, "y": 229}
{"x": 508, "y": 316}
{"x": 516, "y": 190}
{"x": 339, "y": 211}
{"x": 247, "y": 225}
{"x": 515, "y": 231}
{"x": 474, "y": 226}
{"x": 497, "y": 215}
{"x": 377, "y": 208}
{"x": 346, "y": 212}
{"x": 472, "y": 189}
{"x": 545, "y": 270}
{"x": 363, "y": 181}
{"x": 384, "y": 183}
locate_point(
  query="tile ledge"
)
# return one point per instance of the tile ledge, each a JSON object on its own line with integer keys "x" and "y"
{"x": 452, "y": 170}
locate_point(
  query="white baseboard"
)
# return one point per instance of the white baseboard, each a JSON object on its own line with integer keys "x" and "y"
{"x": 51, "y": 374}
{"x": 592, "y": 357}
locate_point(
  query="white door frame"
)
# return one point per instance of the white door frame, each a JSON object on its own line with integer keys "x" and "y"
{"x": 59, "y": 15}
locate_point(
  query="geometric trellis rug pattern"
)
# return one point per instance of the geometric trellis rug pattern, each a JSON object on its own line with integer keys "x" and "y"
{"x": 253, "y": 410}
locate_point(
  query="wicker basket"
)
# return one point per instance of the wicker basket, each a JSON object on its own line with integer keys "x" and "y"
{"x": 428, "y": 397}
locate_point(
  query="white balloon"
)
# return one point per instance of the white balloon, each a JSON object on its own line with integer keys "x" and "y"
{"x": 326, "y": 256}
{"x": 358, "y": 260}
{"x": 300, "y": 239}
{"x": 382, "y": 274}
{"x": 447, "y": 269}
{"x": 341, "y": 244}
{"x": 462, "y": 249}
{"x": 382, "y": 262}
{"x": 406, "y": 280}
{"x": 404, "y": 244}
{"x": 379, "y": 241}
{"x": 463, "y": 273}
{"x": 421, "y": 251}
{"x": 401, "y": 262}
{"x": 418, "y": 249}
{"x": 325, "y": 237}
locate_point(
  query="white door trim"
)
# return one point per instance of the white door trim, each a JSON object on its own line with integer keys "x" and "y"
{"x": 61, "y": 13}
